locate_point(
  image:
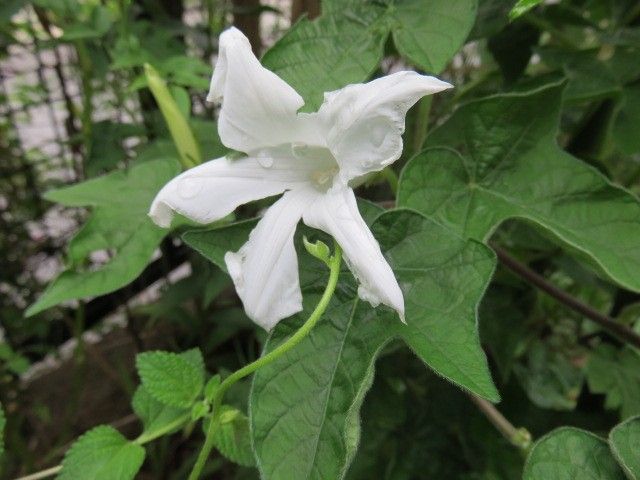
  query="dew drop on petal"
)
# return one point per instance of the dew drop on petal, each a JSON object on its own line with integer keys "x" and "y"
{"x": 266, "y": 162}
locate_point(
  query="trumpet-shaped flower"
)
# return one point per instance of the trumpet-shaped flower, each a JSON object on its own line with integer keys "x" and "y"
{"x": 313, "y": 159}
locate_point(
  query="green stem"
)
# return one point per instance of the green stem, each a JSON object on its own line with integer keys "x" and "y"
{"x": 177, "y": 423}
{"x": 297, "y": 337}
{"x": 86, "y": 67}
{"x": 141, "y": 440}
{"x": 518, "y": 437}
{"x": 392, "y": 179}
{"x": 49, "y": 472}
{"x": 422, "y": 123}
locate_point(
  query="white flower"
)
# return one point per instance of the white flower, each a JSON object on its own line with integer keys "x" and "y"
{"x": 311, "y": 158}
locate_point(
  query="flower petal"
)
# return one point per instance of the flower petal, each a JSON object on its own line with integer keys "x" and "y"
{"x": 258, "y": 107}
{"x": 211, "y": 191}
{"x": 265, "y": 269}
{"x": 364, "y": 122}
{"x": 336, "y": 213}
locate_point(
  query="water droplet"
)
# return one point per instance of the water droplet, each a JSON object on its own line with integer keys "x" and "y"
{"x": 266, "y": 162}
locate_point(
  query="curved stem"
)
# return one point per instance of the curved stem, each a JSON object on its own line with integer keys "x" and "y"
{"x": 141, "y": 440}
{"x": 518, "y": 437}
{"x": 299, "y": 335}
{"x": 392, "y": 179}
{"x": 617, "y": 329}
{"x": 177, "y": 423}
{"x": 49, "y": 472}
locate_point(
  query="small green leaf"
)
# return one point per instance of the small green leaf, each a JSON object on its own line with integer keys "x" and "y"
{"x": 96, "y": 26}
{"x": 13, "y": 361}
{"x": 624, "y": 441}
{"x": 199, "y": 410}
{"x": 616, "y": 374}
{"x": 211, "y": 387}
{"x": 194, "y": 357}
{"x": 549, "y": 377}
{"x": 178, "y": 127}
{"x": 571, "y": 454}
{"x": 102, "y": 454}
{"x": 157, "y": 417}
{"x": 170, "y": 378}
{"x": 319, "y": 249}
{"x": 233, "y": 438}
{"x": 522, "y": 7}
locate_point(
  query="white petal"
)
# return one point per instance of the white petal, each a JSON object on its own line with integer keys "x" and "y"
{"x": 364, "y": 122}
{"x": 258, "y": 107}
{"x": 265, "y": 269}
{"x": 211, "y": 191}
{"x": 337, "y": 213}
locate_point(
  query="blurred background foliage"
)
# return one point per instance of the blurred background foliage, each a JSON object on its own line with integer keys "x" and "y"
{"x": 75, "y": 105}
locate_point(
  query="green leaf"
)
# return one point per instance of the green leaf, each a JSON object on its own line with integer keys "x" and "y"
{"x": 624, "y": 441}
{"x": 625, "y": 132}
{"x": 496, "y": 158}
{"x": 233, "y": 438}
{"x": 304, "y": 406}
{"x": 549, "y": 377}
{"x": 570, "y": 454}
{"x": 13, "y": 361}
{"x": 492, "y": 17}
{"x": 346, "y": 44}
{"x": 522, "y": 7}
{"x": 330, "y": 52}
{"x": 595, "y": 73}
{"x": 102, "y": 454}
{"x": 443, "y": 282}
{"x": 119, "y": 222}
{"x": 195, "y": 358}
{"x": 171, "y": 378}
{"x": 616, "y": 374}
{"x": 107, "y": 150}
{"x": 157, "y": 418}
{"x": 95, "y": 27}
{"x": 429, "y": 33}
{"x": 3, "y": 423}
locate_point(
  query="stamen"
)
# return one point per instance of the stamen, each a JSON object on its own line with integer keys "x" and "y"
{"x": 323, "y": 176}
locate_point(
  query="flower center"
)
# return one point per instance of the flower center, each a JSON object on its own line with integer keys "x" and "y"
{"x": 321, "y": 177}
{"x": 325, "y": 166}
